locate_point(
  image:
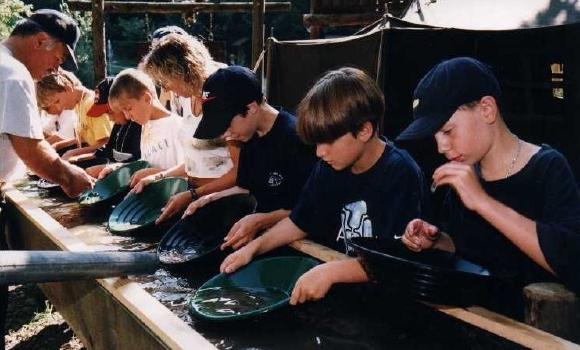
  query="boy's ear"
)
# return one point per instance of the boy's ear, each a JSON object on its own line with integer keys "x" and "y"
{"x": 489, "y": 109}
{"x": 147, "y": 96}
{"x": 366, "y": 132}
{"x": 253, "y": 107}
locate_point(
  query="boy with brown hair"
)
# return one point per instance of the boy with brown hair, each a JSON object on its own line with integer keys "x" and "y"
{"x": 363, "y": 186}
{"x": 133, "y": 93}
{"x": 64, "y": 91}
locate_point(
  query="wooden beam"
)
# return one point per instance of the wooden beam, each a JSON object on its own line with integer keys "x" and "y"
{"x": 258, "y": 11}
{"x": 98, "y": 29}
{"x": 502, "y": 326}
{"x": 177, "y": 7}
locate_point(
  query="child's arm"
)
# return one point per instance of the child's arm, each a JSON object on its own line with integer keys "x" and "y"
{"x": 64, "y": 143}
{"x": 178, "y": 170}
{"x": 247, "y": 227}
{"x": 519, "y": 229}
{"x": 314, "y": 284}
{"x": 228, "y": 179}
{"x": 203, "y": 201}
{"x": 281, "y": 234}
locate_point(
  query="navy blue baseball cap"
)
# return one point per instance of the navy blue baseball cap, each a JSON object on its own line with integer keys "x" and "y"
{"x": 163, "y": 31}
{"x": 446, "y": 87}
{"x": 61, "y": 27}
{"x": 226, "y": 93}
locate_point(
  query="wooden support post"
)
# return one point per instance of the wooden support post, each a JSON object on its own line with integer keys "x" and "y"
{"x": 258, "y": 10}
{"x": 553, "y": 308}
{"x": 98, "y": 28}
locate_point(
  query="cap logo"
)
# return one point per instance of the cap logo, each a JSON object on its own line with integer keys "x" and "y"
{"x": 415, "y": 103}
{"x": 205, "y": 97}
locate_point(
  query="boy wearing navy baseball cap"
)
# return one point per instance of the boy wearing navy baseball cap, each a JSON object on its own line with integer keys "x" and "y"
{"x": 513, "y": 206}
{"x": 274, "y": 164}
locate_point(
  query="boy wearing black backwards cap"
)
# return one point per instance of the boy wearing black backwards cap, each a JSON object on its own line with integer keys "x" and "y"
{"x": 515, "y": 206}
{"x": 274, "y": 164}
{"x": 125, "y": 140}
{"x": 363, "y": 186}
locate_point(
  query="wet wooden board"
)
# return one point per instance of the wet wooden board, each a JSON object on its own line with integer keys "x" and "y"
{"x": 112, "y": 313}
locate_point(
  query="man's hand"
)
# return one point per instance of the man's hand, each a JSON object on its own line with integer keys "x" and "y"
{"x": 76, "y": 181}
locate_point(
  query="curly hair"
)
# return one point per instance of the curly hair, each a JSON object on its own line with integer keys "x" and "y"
{"x": 180, "y": 57}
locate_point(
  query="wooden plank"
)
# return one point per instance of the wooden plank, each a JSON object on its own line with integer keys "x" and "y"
{"x": 176, "y": 7}
{"x": 489, "y": 321}
{"x": 98, "y": 31}
{"x": 99, "y": 310}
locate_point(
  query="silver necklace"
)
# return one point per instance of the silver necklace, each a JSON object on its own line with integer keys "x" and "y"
{"x": 514, "y": 159}
{"x": 124, "y": 137}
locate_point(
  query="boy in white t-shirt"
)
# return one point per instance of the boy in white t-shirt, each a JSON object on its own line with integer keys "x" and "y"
{"x": 133, "y": 93}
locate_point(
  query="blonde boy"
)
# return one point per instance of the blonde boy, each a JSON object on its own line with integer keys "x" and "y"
{"x": 62, "y": 91}
{"x": 133, "y": 93}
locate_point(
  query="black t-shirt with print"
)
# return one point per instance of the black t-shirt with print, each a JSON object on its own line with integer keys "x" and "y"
{"x": 377, "y": 203}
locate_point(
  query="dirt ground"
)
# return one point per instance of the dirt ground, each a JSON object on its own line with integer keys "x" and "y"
{"x": 32, "y": 323}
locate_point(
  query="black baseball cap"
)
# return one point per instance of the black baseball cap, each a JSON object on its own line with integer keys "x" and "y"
{"x": 101, "y": 104}
{"x": 226, "y": 93}
{"x": 446, "y": 87}
{"x": 61, "y": 27}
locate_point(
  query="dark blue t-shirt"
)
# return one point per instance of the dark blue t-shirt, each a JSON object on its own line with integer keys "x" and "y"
{"x": 545, "y": 191}
{"x": 275, "y": 167}
{"x": 377, "y": 203}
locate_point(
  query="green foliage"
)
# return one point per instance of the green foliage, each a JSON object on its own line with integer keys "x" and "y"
{"x": 10, "y": 12}
{"x": 84, "y": 49}
{"x": 130, "y": 28}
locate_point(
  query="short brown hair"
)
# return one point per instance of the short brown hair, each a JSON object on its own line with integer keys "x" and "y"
{"x": 131, "y": 83}
{"x": 180, "y": 57}
{"x": 54, "y": 83}
{"x": 339, "y": 102}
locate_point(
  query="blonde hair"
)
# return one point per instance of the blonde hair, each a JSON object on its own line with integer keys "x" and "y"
{"x": 131, "y": 83}
{"x": 180, "y": 57}
{"x": 54, "y": 83}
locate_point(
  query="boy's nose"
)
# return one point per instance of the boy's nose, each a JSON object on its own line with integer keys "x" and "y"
{"x": 321, "y": 151}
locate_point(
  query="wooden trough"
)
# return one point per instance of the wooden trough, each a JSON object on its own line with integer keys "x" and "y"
{"x": 119, "y": 313}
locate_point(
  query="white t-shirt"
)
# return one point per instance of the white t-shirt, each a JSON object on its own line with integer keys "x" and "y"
{"x": 18, "y": 112}
{"x": 62, "y": 125}
{"x": 160, "y": 144}
{"x": 203, "y": 158}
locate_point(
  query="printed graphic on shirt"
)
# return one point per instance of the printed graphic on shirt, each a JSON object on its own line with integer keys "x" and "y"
{"x": 354, "y": 222}
{"x": 275, "y": 179}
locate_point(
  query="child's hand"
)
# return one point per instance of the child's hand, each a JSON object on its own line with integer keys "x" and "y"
{"x": 237, "y": 259}
{"x": 105, "y": 171}
{"x": 313, "y": 285}
{"x": 144, "y": 182}
{"x": 200, "y": 202}
{"x": 420, "y": 235}
{"x": 463, "y": 179}
{"x": 175, "y": 204}
{"x": 243, "y": 231}
{"x": 140, "y": 174}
